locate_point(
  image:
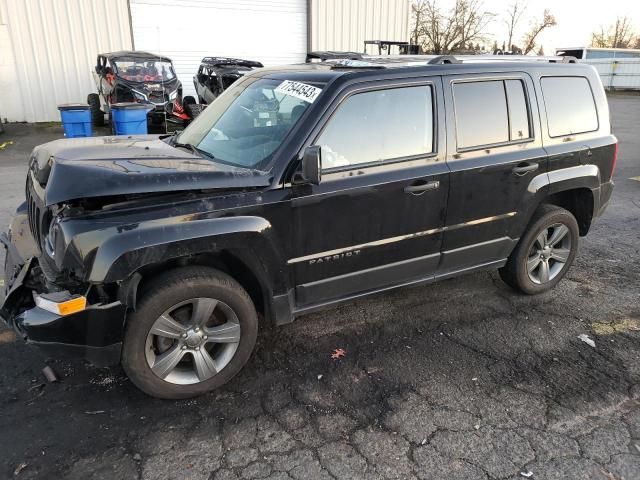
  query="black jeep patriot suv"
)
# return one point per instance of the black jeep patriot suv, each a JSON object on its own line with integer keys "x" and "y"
{"x": 298, "y": 188}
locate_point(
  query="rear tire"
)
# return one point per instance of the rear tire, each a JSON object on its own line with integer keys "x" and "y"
{"x": 211, "y": 333}
{"x": 111, "y": 125}
{"x": 544, "y": 253}
{"x": 97, "y": 115}
{"x": 193, "y": 110}
{"x": 188, "y": 100}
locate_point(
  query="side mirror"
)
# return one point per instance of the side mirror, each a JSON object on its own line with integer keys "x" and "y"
{"x": 312, "y": 165}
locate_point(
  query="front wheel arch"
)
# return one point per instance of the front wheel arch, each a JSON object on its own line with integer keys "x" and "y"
{"x": 229, "y": 262}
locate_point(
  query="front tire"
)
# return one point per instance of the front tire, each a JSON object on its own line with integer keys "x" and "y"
{"x": 193, "y": 331}
{"x": 97, "y": 115}
{"x": 545, "y": 252}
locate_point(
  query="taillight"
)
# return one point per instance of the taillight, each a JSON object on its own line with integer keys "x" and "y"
{"x": 615, "y": 158}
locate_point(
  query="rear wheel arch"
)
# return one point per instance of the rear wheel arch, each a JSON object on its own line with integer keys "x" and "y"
{"x": 578, "y": 201}
{"x": 540, "y": 246}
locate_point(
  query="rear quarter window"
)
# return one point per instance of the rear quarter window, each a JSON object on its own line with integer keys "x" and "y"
{"x": 570, "y": 105}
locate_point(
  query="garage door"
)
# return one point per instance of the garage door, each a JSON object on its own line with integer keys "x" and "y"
{"x": 273, "y": 32}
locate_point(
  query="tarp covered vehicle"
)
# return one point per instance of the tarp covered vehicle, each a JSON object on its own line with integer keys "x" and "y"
{"x": 141, "y": 77}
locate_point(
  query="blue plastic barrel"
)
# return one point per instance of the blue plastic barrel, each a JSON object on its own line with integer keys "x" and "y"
{"x": 130, "y": 118}
{"x": 76, "y": 120}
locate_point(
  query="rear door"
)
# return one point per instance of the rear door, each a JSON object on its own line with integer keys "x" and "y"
{"x": 376, "y": 218}
{"x": 494, "y": 153}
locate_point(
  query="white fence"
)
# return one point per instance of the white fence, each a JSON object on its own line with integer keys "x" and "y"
{"x": 617, "y": 74}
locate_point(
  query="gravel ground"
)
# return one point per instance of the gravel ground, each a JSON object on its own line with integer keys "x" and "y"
{"x": 463, "y": 379}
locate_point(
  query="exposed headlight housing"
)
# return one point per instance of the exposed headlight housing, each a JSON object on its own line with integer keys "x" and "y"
{"x": 51, "y": 238}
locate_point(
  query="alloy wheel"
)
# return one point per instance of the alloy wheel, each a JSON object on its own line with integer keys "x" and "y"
{"x": 549, "y": 253}
{"x": 192, "y": 341}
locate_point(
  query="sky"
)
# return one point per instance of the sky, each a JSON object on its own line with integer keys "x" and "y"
{"x": 576, "y": 19}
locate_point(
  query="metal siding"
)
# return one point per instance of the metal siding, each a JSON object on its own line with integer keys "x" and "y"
{"x": 620, "y": 74}
{"x": 48, "y": 50}
{"x": 273, "y": 32}
{"x": 346, "y": 24}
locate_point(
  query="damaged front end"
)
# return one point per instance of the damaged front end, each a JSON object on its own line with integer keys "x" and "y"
{"x": 50, "y": 308}
{"x": 85, "y": 202}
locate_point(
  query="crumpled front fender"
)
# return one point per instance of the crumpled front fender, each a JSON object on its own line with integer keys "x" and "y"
{"x": 127, "y": 249}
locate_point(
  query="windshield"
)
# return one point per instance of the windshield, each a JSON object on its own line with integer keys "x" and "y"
{"x": 143, "y": 70}
{"x": 249, "y": 121}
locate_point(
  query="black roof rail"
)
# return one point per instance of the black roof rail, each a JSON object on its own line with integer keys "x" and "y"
{"x": 443, "y": 59}
{"x": 332, "y": 55}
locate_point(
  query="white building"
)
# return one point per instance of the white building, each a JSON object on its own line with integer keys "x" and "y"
{"x": 48, "y": 48}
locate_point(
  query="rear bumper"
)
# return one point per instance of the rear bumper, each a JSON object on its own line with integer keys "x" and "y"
{"x": 94, "y": 333}
{"x": 605, "y": 191}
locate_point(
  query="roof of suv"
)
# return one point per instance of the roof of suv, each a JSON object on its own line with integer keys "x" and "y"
{"x": 415, "y": 65}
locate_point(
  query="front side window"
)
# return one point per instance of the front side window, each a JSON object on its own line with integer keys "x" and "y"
{"x": 379, "y": 125}
{"x": 570, "y": 106}
{"x": 490, "y": 112}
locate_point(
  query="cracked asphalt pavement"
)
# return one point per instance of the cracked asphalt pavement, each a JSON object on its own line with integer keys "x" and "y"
{"x": 464, "y": 379}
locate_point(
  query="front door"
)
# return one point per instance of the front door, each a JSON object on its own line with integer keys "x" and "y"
{"x": 494, "y": 152}
{"x": 376, "y": 218}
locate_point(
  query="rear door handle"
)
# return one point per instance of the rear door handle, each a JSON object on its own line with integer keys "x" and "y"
{"x": 421, "y": 188}
{"x": 524, "y": 168}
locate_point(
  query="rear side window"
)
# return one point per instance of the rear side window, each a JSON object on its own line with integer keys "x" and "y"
{"x": 490, "y": 112}
{"x": 518, "y": 111}
{"x": 570, "y": 106}
{"x": 379, "y": 125}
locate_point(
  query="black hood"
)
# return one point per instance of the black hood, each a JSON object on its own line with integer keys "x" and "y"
{"x": 71, "y": 169}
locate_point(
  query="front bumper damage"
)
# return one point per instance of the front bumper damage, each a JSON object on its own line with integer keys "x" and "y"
{"x": 95, "y": 333}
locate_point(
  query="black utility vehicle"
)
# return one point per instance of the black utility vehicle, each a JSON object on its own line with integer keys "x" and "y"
{"x": 298, "y": 188}
{"x": 139, "y": 77}
{"x": 216, "y": 74}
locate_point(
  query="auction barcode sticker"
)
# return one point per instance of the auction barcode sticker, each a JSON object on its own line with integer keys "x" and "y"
{"x": 300, "y": 90}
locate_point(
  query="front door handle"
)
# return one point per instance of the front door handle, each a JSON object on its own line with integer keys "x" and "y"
{"x": 524, "y": 168}
{"x": 422, "y": 187}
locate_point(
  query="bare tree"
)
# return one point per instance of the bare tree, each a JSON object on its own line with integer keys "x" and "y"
{"x": 418, "y": 9}
{"x": 442, "y": 32}
{"x": 529, "y": 40}
{"x": 618, "y": 35}
{"x": 513, "y": 16}
{"x": 471, "y": 21}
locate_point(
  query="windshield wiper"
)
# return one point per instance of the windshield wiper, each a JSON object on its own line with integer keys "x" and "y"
{"x": 195, "y": 150}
